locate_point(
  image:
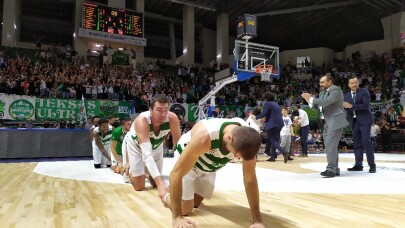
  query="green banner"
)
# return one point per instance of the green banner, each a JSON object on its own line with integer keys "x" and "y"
{"x": 232, "y": 111}
{"x": 193, "y": 112}
{"x": 312, "y": 114}
{"x": 57, "y": 109}
{"x": 123, "y": 109}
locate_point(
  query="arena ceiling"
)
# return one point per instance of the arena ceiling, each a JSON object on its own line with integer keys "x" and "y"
{"x": 292, "y": 24}
{"x": 288, "y": 24}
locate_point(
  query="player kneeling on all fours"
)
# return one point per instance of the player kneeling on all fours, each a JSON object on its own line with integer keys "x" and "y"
{"x": 101, "y": 144}
{"x": 209, "y": 146}
{"x": 116, "y": 145}
{"x": 145, "y": 148}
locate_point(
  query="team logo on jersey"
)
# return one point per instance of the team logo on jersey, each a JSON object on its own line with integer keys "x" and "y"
{"x": 212, "y": 151}
{"x": 21, "y": 109}
{"x": 178, "y": 109}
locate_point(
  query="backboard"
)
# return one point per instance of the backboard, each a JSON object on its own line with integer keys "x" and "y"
{"x": 253, "y": 58}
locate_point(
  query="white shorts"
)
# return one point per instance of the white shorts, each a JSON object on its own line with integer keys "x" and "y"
{"x": 198, "y": 182}
{"x": 124, "y": 149}
{"x": 137, "y": 166}
{"x": 98, "y": 157}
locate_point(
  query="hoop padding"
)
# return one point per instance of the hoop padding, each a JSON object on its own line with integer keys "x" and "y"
{"x": 265, "y": 75}
{"x": 245, "y": 75}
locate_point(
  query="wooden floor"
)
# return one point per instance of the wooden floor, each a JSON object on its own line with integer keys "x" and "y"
{"x": 32, "y": 200}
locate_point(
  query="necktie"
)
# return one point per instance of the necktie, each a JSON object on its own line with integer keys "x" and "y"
{"x": 354, "y": 100}
{"x": 325, "y": 93}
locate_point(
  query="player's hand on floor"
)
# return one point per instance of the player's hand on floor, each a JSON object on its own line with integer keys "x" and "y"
{"x": 162, "y": 191}
{"x": 184, "y": 223}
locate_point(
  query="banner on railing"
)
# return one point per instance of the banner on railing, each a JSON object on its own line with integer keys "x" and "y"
{"x": 190, "y": 111}
{"x": 55, "y": 109}
{"x": 16, "y": 107}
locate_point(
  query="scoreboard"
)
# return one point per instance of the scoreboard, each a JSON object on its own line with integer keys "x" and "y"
{"x": 111, "y": 20}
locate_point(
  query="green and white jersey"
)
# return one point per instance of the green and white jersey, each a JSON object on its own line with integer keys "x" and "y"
{"x": 105, "y": 139}
{"x": 118, "y": 136}
{"x": 213, "y": 159}
{"x": 155, "y": 139}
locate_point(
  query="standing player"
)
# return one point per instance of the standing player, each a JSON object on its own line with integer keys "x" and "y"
{"x": 146, "y": 147}
{"x": 102, "y": 140}
{"x": 116, "y": 144}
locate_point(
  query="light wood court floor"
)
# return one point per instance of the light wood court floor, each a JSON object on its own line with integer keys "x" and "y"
{"x": 30, "y": 200}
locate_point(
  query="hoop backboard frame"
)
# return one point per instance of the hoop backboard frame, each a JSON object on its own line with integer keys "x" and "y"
{"x": 249, "y": 56}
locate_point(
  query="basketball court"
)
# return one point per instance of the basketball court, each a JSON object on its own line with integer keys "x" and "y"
{"x": 71, "y": 193}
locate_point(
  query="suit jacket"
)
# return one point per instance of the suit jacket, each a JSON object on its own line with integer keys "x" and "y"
{"x": 272, "y": 113}
{"x": 332, "y": 107}
{"x": 361, "y": 105}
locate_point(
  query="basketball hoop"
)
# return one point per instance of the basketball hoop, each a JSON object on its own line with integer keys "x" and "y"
{"x": 265, "y": 75}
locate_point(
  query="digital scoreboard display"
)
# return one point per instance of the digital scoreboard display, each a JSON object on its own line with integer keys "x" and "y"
{"x": 111, "y": 20}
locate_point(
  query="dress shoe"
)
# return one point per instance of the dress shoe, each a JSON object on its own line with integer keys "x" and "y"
{"x": 328, "y": 173}
{"x": 372, "y": 169}
{"x": 271, "y": 160}
{"x": 285, "y": 155}
{"x": 355, "y": 168}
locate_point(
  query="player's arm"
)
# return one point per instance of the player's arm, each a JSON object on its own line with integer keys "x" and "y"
{"x": 174, "y": 127}
{"x": 101, "y": 146}
{"x": 200, "y": 143}
{"x": 142, "y": 133}
{"x": 252, "y": 189}
{"x": 113, "y": 147}
{"x": 91, "y": 134}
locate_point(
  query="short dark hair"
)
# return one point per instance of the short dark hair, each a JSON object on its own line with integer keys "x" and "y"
{"x": 329, "y": 78}
{"x": 125, "y": 120}
{"x": 268, "y": 96}
{"x": 246, "y": 141}
{"x": 102, "y": 121}
{"x": 159, "y": 98}
{"x": 256, "y": 111}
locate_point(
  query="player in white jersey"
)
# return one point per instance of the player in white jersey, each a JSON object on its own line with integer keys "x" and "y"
{"x": 146, "y": 147}
{"x": 101, "y": 144}
{"x": 209, "y": 146}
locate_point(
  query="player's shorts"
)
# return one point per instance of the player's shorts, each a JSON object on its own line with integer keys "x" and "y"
{"x": 124, "y": 149}
{"x": 137, "y": 166}
{"x": 98, "y": 157}
{"x": 198, "y": 182}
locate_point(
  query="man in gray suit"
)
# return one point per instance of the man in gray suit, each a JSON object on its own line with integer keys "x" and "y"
{"x": 330, "y": 103}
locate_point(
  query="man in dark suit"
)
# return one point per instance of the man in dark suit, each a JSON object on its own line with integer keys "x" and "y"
{"x": 272, "y": 125}
{"x": 357, "y": 105}
{"x": 330, "y": 101}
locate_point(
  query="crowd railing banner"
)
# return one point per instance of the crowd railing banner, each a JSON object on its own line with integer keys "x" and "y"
{"x": 16, "y": 107}
{"x": 190, "y": 111}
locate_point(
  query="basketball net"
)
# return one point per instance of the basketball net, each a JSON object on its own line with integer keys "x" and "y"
{"x": 265, "y": 75}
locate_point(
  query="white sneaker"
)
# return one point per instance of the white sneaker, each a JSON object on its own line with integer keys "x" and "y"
{"x": 126, "y": 178}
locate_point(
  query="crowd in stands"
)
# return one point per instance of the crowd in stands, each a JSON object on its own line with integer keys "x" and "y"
{"x": 58, "y": 73}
